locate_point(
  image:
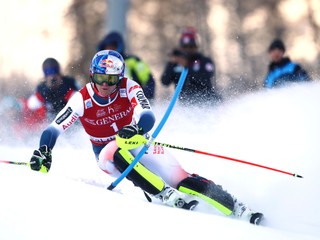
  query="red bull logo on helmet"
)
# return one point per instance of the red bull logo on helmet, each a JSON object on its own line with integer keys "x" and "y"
{"x": 106, "y": 63}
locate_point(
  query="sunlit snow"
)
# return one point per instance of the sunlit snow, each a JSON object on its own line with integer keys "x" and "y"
{"x": 278, "y": 128}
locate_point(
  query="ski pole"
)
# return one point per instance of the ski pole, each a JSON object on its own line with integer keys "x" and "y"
{"x": 139, "y": 140}
{"x": 42, "y": 169}
{"x": 224, "y": 157}
{"x": 15, "y": 163}
{"x": 155, "y": 133}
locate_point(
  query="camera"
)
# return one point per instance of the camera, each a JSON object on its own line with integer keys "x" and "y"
{"x": 54, "y": 81}
{"x": 179, "y": 53}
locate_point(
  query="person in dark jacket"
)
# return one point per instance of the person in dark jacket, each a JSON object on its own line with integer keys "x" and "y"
{"x": 281, "y": 69}
{"x": 54, "y": 91}
{"x": 200, "y": 85}
{"x": 136, "y": 68}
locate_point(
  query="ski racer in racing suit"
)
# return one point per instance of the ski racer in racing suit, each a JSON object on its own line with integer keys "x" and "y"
{"x": 112, "y": 105}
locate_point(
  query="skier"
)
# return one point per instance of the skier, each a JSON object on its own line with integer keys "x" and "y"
{"x": 112, "y": 105}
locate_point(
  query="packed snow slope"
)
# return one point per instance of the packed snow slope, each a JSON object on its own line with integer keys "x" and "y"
{"x": 278, "y": 128}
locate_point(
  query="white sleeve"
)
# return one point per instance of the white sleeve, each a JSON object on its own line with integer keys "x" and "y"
{"x": 138, "y": 99}
{"x": 142, "y": 112}
{"x": 70, "y": 113}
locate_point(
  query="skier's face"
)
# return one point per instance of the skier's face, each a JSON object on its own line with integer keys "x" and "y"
{"x": 104, "y": 89}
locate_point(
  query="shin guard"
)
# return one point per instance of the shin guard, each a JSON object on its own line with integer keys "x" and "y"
{"x": 139, "y": 175}
{"x": 209, "y": 192}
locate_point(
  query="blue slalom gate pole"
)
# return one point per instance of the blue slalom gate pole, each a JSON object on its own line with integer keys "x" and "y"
{"x": 155, "y": 133}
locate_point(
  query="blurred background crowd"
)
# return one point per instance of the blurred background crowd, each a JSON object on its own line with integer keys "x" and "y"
{"x": 230, "y": 46}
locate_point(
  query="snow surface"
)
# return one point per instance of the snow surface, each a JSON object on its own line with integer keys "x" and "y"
{"x": 276, "y": 128}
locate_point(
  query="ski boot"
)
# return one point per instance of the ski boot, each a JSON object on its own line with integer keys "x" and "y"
{"x": 243, "y": 212}
{"x": 174, "y": 198}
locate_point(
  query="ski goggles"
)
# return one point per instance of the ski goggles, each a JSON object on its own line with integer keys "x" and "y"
{"x": 110, "y": 80}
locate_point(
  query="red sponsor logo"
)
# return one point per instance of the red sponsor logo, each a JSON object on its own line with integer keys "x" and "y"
{"x": 107, "y": 63}
{"x": 133, "y": 87}
{"x": 72, "y": 120}
{"x": 134, "y": 102}
{"x": 158, "y": 150}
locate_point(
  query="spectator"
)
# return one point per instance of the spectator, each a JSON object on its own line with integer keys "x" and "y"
{"x": 136, "y": 69}
{"x": 199, "y": 86}
{"x": 281, "y": 69}
{"x": 15, "y": 114}
{"x": 54, "y": 91}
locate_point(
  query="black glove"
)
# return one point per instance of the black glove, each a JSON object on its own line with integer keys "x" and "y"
{"x": 129, "y": 131}
{"x": 41, "y": 159}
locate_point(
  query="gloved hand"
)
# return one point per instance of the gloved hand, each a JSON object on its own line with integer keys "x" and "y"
{"x": 41, "y": 159}
{"x": 129, "y": 131}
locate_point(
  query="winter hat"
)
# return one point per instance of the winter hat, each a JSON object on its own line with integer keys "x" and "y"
{"x": 188, "y": 37}
{"x": 277, "y": 44}
{"x": 113, "y": 38}
{"x": 50, "y": 66}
